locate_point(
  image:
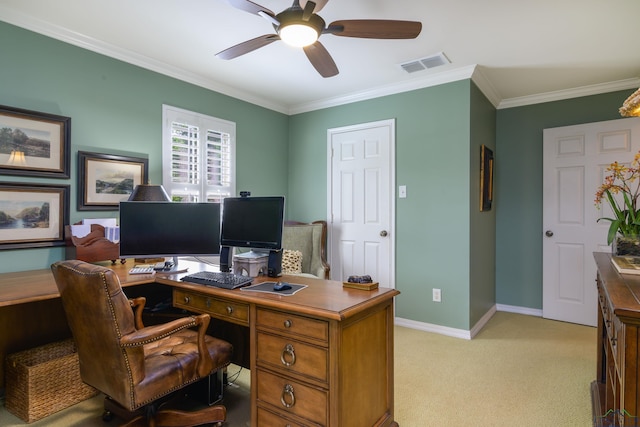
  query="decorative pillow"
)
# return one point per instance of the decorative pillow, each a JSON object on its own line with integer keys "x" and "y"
{"x": 291, "y": 262}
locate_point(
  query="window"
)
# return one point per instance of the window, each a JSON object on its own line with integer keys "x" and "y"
{"x": 198, "y": 156}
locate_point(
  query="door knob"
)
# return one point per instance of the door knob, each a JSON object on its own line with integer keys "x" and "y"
{"x": 383, "y": 233}
{"x": 548, "y": 233}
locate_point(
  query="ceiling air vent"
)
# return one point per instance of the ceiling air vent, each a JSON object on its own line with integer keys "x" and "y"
{"x": 425, "y": 63}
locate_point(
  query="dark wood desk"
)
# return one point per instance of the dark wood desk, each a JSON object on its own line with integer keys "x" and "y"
{"x": 615, "y": 393}
{"x": 323, "y": 356}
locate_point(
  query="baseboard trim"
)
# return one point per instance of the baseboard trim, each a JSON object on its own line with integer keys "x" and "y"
{"x": 462, "y": 333}
{"x": 519, "y": 310}
{"x": 430, "y": 327}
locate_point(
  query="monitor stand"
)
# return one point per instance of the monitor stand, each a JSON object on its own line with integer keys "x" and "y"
{"x": 174, "y": 269}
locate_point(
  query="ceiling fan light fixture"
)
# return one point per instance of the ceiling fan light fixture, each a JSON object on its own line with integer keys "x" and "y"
{"x": 298, "y": 35}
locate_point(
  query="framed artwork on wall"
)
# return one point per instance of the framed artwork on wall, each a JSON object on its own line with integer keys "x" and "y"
{"x": 104, "y": 180}
{"x": 486, "y": 178}
{"x": 34, "y": 143}
{"x": 33, "y": 215}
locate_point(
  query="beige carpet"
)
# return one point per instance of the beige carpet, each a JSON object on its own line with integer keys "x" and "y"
{"x": 518, "y": 371}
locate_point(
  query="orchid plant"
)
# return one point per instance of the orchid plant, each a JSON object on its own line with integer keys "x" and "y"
{"x": 622, "y": 180}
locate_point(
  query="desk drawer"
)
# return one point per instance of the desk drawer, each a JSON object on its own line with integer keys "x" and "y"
{"x": 222, "y": 309}
{"x": 266, "y": 418}
{"x": 292, "y": 397}
{"x": 291, "y": 324}
{"x": 288, "y": 355}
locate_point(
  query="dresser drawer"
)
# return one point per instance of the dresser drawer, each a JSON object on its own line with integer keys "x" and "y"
{"x": 291, "y": 324}
{"x": 292, "y": 397}
{"x": 289, "y": 355}
{"x": 219, "y": 308}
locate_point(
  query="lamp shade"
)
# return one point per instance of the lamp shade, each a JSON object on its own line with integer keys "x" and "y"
{"x": 149, "y": 193}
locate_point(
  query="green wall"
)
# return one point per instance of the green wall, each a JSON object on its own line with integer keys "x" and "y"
{"x": 433, "y": 154}
{"x": 518, "y": 202}
{"x": 476, "y": 258}
{"x": 117, "y": 108}
{"x": 482, "y": 289}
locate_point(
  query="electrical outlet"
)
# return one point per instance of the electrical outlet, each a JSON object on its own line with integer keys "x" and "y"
{"x": 437, "y": 295}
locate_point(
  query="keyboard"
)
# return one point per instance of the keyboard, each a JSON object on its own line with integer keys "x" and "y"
{"x": 218, "y": 279}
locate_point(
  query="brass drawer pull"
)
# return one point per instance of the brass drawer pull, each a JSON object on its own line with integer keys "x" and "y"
{"x": 229, "y": 310}
{"x": 288, "y": 350}
{"x": 187, "y": 300}
{"x": 288, "y": 392}
{"x": 287, "y": 323}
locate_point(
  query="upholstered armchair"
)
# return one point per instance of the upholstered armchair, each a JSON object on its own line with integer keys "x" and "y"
{"x": 311, "y": 240}
{"x": 136, "y": 367}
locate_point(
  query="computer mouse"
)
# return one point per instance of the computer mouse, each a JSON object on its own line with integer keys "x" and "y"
{"x": 280, "y": 286}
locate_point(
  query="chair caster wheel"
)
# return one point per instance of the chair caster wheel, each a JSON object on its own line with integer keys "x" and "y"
{"x": 107, "y": 416}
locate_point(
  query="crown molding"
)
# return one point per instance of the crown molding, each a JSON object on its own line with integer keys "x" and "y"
{"x": 577, "y": 92}
{"x": 450, "y": 74}
{"x": 447, "y": 76}
{"x": 10, "y": 16}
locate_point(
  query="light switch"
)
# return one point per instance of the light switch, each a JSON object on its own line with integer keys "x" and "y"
{"x": 402, "y": 191}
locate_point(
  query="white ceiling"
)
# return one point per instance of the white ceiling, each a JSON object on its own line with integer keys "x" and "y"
{"x": 518, "y": 52}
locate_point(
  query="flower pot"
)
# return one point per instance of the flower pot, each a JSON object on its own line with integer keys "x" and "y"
{"x": 626, "y": 246}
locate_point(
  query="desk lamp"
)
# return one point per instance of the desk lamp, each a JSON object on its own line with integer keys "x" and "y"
{"x": 149, "y": 193}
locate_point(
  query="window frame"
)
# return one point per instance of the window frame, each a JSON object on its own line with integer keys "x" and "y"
{"x": 204, "y": 123}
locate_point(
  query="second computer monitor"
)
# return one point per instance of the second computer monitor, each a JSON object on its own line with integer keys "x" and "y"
{"x": 253, "y": 222}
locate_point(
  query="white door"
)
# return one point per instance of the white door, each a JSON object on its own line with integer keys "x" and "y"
{"x": 361, "y": 201}
{"x": 575, "y": 159}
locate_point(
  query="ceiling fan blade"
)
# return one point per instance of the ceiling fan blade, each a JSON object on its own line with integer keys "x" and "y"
{"x": 375, "y": 29}
{"x": 248, "y": 46}
{"x": 321, "y": 60}
{"x": 254, "y": 8}
{"x": 249, "y": 6}
{"x": 319, "y": 4}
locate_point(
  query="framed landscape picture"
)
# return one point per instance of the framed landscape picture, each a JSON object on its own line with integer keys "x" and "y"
{"x": 33, "y": 215}
{"x": 104, "y": 180}
{"x": 34, "y": 144}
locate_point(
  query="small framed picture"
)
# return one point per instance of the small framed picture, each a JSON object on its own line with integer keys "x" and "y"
{"x": 486, "y": 178}
{"x": 34, "y": 144}
{"x": 33, "y": 215}
{"x": 104, "y": 180}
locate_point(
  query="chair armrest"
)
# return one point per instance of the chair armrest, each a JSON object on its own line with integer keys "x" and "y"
{"x": 153, "y": 333}
{"x": 137, "y": 304}
{"x": 156, "y": 332}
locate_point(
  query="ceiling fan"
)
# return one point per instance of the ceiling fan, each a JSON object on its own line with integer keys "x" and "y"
{"x": 301, "y": 26}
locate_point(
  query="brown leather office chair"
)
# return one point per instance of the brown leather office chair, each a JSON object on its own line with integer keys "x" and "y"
{"x": 136, "y": 366}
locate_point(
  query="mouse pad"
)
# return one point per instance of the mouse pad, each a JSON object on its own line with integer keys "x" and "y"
{"x": 268, "y": 288}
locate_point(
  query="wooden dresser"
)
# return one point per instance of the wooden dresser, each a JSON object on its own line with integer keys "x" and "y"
{"x": 615, "y": 394}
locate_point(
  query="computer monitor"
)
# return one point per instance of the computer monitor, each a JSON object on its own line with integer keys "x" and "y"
{"x": 253, "y": 222}
{"x": 166, "y": 229}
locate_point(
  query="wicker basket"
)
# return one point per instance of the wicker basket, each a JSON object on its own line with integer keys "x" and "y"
{"x": 44, "y": 380}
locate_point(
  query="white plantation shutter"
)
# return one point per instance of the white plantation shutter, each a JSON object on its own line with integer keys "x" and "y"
{"x": 198, "y": 156}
